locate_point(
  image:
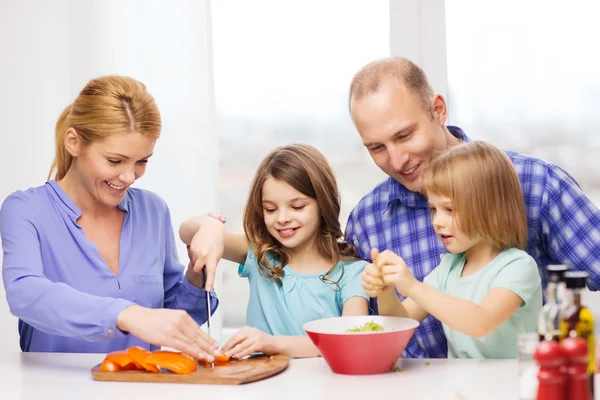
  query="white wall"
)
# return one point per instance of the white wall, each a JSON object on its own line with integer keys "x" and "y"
{"x": 418, "y": 32}
{"x": 51, "y": 49}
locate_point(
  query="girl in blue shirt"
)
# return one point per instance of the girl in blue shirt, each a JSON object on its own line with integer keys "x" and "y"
{"x": 486, "y": 290}
{"x": 298, "y": 267}
{"x": 90, "y": 263}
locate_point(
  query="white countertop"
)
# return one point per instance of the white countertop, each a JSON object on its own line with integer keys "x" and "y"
{"x": 38, "y": 376}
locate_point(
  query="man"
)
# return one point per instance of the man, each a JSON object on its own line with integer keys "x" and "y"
{"x": 401, "y": 122}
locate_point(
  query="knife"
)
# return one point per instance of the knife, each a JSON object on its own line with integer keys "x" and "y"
{"x": 208, "y": 310}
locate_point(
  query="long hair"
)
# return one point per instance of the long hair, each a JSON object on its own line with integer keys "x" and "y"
{"x": 106, "y": 106}
{"x": 485, "y": 192}
{"x": 305, "y": 169}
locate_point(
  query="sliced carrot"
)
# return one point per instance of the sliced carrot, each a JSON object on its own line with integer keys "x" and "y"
{"x": 140, "y": 356}
{"x": 109, "y": 366}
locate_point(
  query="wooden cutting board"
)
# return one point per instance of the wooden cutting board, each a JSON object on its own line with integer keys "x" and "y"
{"x": 233, "y": 373}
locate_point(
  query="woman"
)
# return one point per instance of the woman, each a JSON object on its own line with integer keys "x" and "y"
{"x": 90, "y": 264}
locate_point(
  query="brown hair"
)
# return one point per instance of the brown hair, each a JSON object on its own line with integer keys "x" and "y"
{"x": 485, "y": 191}
{"x": 106, "y": 106}
{"x": 305, "y": 169}
{"x": 370, "y": 78}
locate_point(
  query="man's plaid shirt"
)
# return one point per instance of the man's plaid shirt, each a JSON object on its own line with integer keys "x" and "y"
{"x": 564, "y": 228}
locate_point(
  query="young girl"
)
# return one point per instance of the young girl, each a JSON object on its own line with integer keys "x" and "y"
{"x": 298, "y": 267}
{"x": 487, "y": 290}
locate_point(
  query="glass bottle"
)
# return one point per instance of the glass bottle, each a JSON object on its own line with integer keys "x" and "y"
{"x": 548, "y": 323}
{"x": 577, "y": 320}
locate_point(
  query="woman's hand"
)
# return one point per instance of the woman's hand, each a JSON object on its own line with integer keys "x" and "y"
{"x": 206, "y": 248}
{"x": 166, "y": 327}
{"x": 249, "y": 340}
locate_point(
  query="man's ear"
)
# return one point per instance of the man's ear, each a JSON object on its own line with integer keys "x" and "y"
{"x": 72, "y": 142}
{"x": 439, "y": 110}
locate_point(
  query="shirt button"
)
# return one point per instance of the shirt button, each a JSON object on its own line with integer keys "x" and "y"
{"x": 110, "y": 331}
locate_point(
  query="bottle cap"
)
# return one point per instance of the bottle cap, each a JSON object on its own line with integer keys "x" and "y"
{"x": 556, "y": 272}
{"x": 576, "y": 279}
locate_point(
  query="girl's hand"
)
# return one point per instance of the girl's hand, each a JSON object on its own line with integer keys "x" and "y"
{"x": 207, "y": 247}
{"x": 249, "y": 340}
{"x": 395, "y": 272}
{"x": 372, "y": 280}
{"x": 166, "y": 327}
{"x": 221, "y": 218}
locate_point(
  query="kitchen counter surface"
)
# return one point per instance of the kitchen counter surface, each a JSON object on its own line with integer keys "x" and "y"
{"x": 34, "y": 376}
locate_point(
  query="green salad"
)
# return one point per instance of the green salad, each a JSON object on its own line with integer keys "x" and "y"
{"x": 367, "y": 327}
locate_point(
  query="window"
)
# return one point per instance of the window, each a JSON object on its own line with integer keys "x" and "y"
{"x": 282, "y": 72}
{"x": 525, "y": 76}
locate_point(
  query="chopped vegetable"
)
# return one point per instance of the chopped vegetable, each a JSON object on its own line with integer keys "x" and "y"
{"x": 427, "y": 363}
{"x": 219, "y": 360}
{"x": 140, "y": 356}
{"x": 398, "y": 369}
{"x": 109, "y": 366}
{"x": 367, "y": 327}
{"x": 123, "y": 360}
{"x": 173, "y": 361}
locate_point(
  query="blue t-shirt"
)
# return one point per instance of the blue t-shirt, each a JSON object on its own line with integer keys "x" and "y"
{"x": 283, "y": 309}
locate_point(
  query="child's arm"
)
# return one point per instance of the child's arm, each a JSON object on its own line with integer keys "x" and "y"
{"x": 472, "y": 319}
{"x": 355, "y": 306}
{"x": 390, "y": 305}
{"x": 208, "y": 242}
{"x": 249, "y": 340}
{"x": 235, "y": 245}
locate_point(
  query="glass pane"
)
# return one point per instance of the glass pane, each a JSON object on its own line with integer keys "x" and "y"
{"x": 524, "y": 75}
{"x": 282, "y": 72}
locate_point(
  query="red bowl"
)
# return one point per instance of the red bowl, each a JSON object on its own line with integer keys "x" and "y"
{"x": 361, "y": 353}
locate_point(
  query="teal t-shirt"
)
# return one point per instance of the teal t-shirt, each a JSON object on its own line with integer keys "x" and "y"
{"x": 283, "y": 309}
{"x": 512, "y": 269}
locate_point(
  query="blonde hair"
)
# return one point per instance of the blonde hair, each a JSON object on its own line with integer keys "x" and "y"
{"x": 371, "y": 77}
{"x": 106, "y": 106}
{"x": 485, "y": 192}
{"x": 305, "y": 169}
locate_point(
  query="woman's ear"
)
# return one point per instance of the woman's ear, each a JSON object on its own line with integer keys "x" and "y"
{"x": 72, "y": 142}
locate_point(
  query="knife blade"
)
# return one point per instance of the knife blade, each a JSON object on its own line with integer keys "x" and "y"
{"x": 208, "y": 320}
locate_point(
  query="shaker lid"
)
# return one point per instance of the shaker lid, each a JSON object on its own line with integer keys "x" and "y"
{"x": 576, "y": 279}
{"x": 556, "y": 272}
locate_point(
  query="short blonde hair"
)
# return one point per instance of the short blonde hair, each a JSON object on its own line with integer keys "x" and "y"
{"x": 485, "y": 191}
{"x": 106, "y": 106}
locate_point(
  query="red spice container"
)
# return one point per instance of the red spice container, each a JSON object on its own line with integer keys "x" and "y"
{"x": 575, "y": 349}
{"x": 551, "y": 381}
